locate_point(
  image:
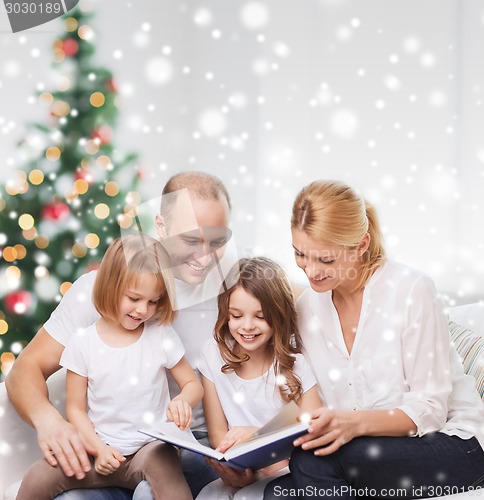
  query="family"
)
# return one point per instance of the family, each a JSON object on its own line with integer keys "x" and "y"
{"x": 364, "y": 350}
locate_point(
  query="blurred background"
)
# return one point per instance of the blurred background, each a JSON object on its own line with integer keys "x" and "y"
{"x": 267, "y": 95}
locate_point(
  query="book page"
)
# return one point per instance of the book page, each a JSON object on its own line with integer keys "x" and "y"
{"x": 284, "y": 424}
{"x": 171, "y": 429}
{"x": 170, "y": 433}
{"x": 286, "y": 434}
{"x": 288, "y": 415}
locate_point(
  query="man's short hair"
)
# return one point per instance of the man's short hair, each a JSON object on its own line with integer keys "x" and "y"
{"x": 202, "y": 185}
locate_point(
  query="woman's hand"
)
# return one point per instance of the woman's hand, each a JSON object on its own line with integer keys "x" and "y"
{"x": 232, "y": 477}
{"x": 180, "y": 412}
{"x": 108, "y": 460}
{"x": 329, "y": 430}
{"x": 236, "y": 435}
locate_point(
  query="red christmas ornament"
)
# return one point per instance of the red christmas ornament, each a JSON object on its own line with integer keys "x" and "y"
{"x": 111, "y": 85}
{"x": 141, "y": 173}
{"x": 94, "y": 266}
{"x": 70, "y": 47}
{"x": 83, "y": 174}
{"x": 55, "y": 211}
{"x": 18, "y": 302}
{"x": 104, "y": 133}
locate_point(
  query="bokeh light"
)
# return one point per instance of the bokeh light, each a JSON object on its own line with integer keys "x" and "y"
{"x": 36, "y": 177}
{"x": 101, "y": 211}
{"x": 91, "y": 240}
{"x": 97, "y": 99}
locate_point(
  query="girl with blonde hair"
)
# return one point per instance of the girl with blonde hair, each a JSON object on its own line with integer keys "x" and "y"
{"x": 116, "y": 379}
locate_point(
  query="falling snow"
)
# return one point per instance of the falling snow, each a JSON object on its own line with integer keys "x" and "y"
{"x": 375, "y": 100}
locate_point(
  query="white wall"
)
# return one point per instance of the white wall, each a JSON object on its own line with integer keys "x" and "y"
{"x": 383, "y": 94}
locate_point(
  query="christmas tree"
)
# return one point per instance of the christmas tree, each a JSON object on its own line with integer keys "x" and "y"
{"x": 60, "y": 212}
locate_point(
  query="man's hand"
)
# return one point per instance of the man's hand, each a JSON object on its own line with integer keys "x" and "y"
{"x": 59, "y": 441}
{"x": 62, "y": 445}
{"x": 108, "y": 460}
{"x": 232, "y": 477}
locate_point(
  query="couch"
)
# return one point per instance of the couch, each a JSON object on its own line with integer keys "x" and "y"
{"x": 18, "y": 444}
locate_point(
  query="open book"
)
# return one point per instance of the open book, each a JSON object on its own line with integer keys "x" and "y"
{"x": 270, "y": 444}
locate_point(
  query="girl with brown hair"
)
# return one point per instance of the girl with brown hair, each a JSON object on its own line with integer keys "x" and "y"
{"x": 253, "y": 366}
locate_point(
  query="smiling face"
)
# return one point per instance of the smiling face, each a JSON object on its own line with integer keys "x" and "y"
{"x": 327, "y": 266}
{"x": 247, "y": 324}
{"x": 192, "y": 234}
{"x": 138, "y": 303}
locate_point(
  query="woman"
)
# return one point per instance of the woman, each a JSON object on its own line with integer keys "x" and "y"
{"x": 398, "y": 412}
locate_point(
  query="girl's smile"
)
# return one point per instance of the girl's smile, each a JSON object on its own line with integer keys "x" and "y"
{"x": 135, "y": 319}
{"x": 139, "y": 302}
{"x": 247, "y": 324}
{"x": 247, "y": 337}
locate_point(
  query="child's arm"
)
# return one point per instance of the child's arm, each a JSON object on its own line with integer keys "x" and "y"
{"x": 191, "y": 392}
{"x": 219, "y": 434}
{"x": 310, "y": 401}
{"x": 107, "y": 459}
{"x": 217, "y": 430}
{"x": 214, "y": 415}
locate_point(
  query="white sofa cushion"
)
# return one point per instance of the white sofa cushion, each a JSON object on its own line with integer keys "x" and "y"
{"x": 469, "y": 315}
{"x": 12, "y": 490}
{"x": 18, "y": 441}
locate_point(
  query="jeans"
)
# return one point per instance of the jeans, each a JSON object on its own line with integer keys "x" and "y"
{"x": 142, "y": 492}
{"x": 96, "y": 494}
{"x": 196, "y": 470}
{"x": 385, "y": 467}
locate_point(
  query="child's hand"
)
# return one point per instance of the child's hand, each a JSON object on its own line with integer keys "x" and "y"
{"x": 232, "y": 477}
{"x": 108, "y": 460}
{"x": 270, "y": 469}
{"x": 180, "y": 412}
{"x": 236, "y": 435}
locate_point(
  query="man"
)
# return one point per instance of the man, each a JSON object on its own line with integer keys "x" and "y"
{"x": 195, "y": 234}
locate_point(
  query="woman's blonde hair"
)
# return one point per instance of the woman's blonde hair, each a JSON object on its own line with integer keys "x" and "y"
{"x": 267, "y": 282}
{"x": 332, "y": 212}
{"x": 125, "y": 261}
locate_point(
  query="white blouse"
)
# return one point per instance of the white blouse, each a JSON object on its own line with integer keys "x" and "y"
{"x": 402, "y": 356}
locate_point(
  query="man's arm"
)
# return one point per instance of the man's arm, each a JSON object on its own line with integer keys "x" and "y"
{"x": 26, "y": 385}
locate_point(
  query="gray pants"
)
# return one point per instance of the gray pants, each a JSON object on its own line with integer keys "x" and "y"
{"x": 155, "y": 462}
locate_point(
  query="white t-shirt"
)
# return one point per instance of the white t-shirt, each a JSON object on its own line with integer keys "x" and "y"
{"x": 127, "y": 386}
{"x": 194, "y": 325}
{"x": 248, "y": 402}
{"x": 402, "y": 356}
